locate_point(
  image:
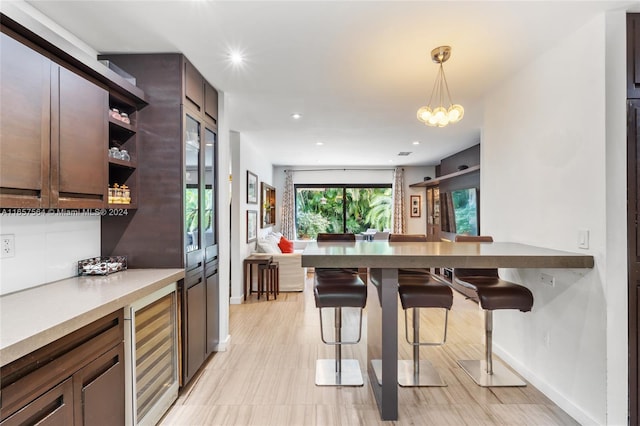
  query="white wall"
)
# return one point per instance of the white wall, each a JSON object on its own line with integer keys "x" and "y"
{"x": 416, "y": 225}
{"x": 616, "y": 202}
{"x": 47, "y": 248}
{"x": 224, "y": 218}
{"x": 246, "y": 155}
{"x": 543, "y": 178}
{"x": 353, "y": 175}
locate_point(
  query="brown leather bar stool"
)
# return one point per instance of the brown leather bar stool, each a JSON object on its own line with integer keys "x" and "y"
{"x": 338, "y": 288}
{"x": 419, "y": 289}
{"x": 493, "y": 293}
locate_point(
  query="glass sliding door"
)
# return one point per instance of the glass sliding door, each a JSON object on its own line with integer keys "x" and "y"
{"x": 368, "y": 208}
{"x": 319, "y": 210}
{"x": 342, "y": 208}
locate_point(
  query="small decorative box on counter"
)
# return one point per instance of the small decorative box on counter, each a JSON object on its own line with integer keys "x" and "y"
{"x": 104, "y": 265}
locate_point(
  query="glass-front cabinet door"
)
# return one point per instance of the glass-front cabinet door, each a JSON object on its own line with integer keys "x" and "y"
{"x": 210, "y": 195}
{"x": 192, "y": 178}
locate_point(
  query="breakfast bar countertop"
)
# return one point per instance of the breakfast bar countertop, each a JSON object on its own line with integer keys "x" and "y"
{"x": 382, "y": 254}
{"x": 35, "y": 317}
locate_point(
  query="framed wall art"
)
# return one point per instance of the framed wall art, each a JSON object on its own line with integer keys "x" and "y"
{"x": 252, "y": 188}
{"x": 416, "y": 206}
{"x": 252, "y": 225}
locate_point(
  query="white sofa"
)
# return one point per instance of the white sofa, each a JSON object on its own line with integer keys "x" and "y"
{"x": 292, "y": 274}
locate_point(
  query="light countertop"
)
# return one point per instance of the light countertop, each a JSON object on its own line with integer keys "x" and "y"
{"x": 35, "y": 317}
{"x": 382, "y": 254}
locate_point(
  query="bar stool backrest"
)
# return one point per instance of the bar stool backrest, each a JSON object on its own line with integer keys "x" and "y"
{"x": 467, "y": 272}
{"x": 409, "y": 238}
{"x": 335, "y": 237}
{"x": 325, "y": 237}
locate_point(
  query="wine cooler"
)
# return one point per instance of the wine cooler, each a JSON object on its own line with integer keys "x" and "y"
{"x": 152, "y": 356}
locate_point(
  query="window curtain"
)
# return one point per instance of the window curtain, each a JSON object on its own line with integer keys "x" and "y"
{"x": 288, "y": 207}
{"x": 398, "y": 218}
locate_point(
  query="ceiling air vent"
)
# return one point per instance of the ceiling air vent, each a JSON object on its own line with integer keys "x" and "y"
{"x": 404, "y": 153}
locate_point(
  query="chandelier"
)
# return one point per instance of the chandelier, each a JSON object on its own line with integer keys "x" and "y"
{"x": 440, "y": 115}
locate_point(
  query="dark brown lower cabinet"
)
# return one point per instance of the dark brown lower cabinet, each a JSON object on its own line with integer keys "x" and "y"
{"x": 76, "y": 380}
{"x": 213, "y": 297}
{"x": 53, "y": 408}
{"x": 97, "y": 400}
{"x": 194, "y": 324}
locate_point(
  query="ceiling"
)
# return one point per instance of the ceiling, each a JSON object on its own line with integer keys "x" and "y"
{"x": 357, "y": 71}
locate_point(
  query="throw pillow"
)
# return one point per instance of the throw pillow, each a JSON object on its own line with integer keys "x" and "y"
{"x": 273, "y": 242}
{"x": 285, "y": 245}
{"x": 263, "y": 246}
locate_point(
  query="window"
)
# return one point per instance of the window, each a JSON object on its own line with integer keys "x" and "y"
{"x": 341, "y": 208}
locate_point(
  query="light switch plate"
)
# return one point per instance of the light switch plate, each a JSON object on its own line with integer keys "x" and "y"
{"x": 583, "y": 238}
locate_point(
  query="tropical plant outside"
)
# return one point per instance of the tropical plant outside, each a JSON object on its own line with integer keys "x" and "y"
{"x": 465, "y": 211}
{"x": 191, "y": 216}
{"x": 341, "y": 209}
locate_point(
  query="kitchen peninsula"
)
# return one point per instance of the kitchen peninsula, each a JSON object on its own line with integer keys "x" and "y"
{"x": 384, "y": 259}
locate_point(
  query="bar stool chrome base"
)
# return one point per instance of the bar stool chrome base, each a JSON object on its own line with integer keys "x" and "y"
{"x": 501, "y": 377}
{"x": 427, "y": 376}
{"x": 326, "y": 374}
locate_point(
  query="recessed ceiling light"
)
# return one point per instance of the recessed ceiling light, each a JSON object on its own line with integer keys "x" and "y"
{"x": 296, "y": 116}
{"x": 209, "y": 144}
{"x": 236, "y": 57}
{"x": 319, "y": 143}
{"x": 416, "y": 142}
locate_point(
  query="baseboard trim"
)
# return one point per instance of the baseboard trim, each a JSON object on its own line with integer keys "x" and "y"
{"x": 222, "y": 346}
{"x": 236, "y": 300}
{"x": 549, "y": 391}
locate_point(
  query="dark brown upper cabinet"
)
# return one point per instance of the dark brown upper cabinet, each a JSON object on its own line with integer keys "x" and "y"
{"x": 199, "y": 95}
{"x": 79, "y": 153}
{"x": 26, "y": 124}
{"x": 211, "y": 102}
{"x": 193, "y": 86}
{"x": 53, "y": 136}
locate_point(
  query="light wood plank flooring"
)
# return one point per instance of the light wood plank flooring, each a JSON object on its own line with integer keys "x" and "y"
{"x": 267, "y": 376}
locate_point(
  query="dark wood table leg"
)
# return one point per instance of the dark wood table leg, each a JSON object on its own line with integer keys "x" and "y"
{"x": 382, "y": 340}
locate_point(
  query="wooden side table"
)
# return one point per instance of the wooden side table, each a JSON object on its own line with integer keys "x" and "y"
{"x": 249, "y": 262}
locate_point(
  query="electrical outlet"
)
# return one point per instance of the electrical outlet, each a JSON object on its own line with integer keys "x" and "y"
{"x": 547, "y": 279}
{"x": 7, "y": 245}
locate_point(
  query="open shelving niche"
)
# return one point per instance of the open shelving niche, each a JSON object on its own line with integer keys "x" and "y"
{"x": 436, "y": 181}
{"x": 123, "y": 136}
{"x": 444, "y": 274}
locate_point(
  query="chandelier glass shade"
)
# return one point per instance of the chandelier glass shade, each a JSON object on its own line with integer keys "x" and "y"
{"x": 440, "y": 114}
